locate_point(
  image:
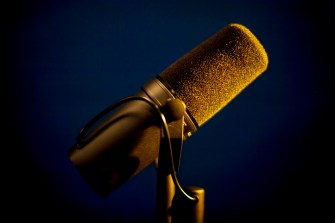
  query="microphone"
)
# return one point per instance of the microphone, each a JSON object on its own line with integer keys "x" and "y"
{"x": 205, "y": 79}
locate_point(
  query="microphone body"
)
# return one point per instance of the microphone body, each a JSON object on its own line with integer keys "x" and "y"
{"x": 128, "y": 141}
{"x": 205, "y": 79}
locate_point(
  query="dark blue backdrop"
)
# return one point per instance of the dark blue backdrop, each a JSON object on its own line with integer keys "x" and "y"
{"x": 263, "y": 158}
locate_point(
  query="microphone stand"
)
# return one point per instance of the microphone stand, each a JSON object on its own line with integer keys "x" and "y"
{"x": 173, "y": 207}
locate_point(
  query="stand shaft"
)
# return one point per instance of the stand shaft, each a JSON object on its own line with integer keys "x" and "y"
{"x": 165, "y": 195}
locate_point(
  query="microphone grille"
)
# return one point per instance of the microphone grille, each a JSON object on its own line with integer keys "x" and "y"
{"x": 212, "y": 74}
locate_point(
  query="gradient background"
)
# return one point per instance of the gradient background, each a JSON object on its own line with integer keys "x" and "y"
{"x": 264, "y": 158}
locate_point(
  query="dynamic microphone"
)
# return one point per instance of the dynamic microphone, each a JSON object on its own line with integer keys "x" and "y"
{"x": 206, "y": 79}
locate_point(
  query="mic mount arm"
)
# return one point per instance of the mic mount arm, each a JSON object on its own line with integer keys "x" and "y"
{"x": 188, "y": 204}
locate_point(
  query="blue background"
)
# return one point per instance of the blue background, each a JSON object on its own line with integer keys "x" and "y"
{"x": 264, "y": 158}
